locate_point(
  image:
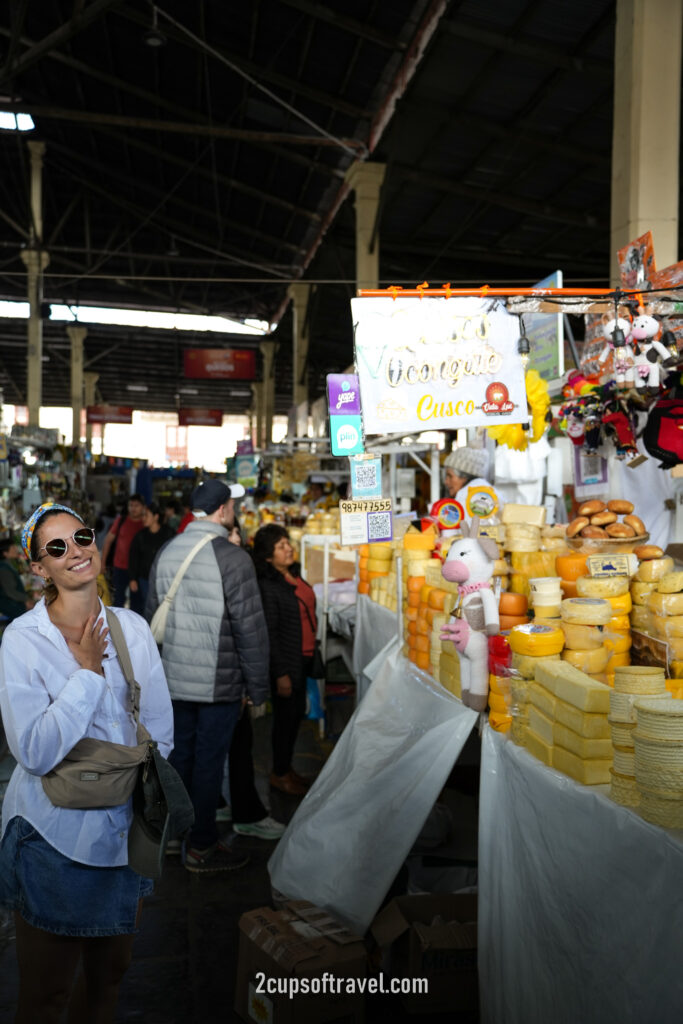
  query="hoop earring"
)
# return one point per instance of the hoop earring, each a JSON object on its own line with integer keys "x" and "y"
{"x": 47, "y": 580}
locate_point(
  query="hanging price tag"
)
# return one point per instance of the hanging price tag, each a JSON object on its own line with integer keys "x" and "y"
{"x": 365, "y": 522}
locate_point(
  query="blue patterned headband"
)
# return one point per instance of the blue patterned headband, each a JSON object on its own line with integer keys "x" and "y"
{"x": 34, "y": 519}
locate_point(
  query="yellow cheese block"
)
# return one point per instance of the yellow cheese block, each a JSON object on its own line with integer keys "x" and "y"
{"x": 621, "y": 605}
{"x": 641, "y": 591}
{"x": 671, "y": 583}
{"x": 381, "y": 551}
{"x": 590, "y": 662}
{"x": 532, "y": 515}
{"x": 641, "y": 618}
{"x": 593, "y": 726}
{"x": 665, "y": 604}
{"x": 377, "y": 565}
{"x": 570, "y": 567}
{"x": 573, "y": 686}
{"x": 590, "y": 772}
{"x": 618, "y": 643}
{"x": 525, "y": 664}
{"x": 668, "y": 625}
{"x": 419, "y": 541}
{"x": 653, "y": 570}
{"x": 542, "y": 699}
{"x": 539, "y": 748}
{"x": 587, "y": 611}
{"x": 536, "y": 639}
{"x": 582, "y": 746}
{"x": 541, "y": 725}
{"x": 582, "y": 638}
{"x": 618, "y": 624}
{"x": 609, "y": 586}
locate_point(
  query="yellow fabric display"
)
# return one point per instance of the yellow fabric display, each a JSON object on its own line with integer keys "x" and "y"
{"x": 609, "y": 586}
{"x": 587, "y": 611}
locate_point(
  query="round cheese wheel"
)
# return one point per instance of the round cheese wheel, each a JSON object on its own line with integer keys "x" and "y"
{"x": 411, "y": 614}
{"x": 618, "y": 643}
{"x": 675, "y": 647}
{"x": 376, "y": 575}
{"x": 582, "y": 638}
{"x": 537, "y": 639}
{"x": 363, "y": 563}
{"x": 412, "y": 628}
{"x": 414, "y": 541}
{"x": 525, "y": 664}
{"x": 512, "y": 604}
{"x": 653, "y": 570}
{"x": 411, "y": 640}
{"x": 668, "y": 625}
{"x": 437, "y": 599}
{"x": 547, "y": 611}
{"x": 422, "y": 661}
{"x": 640, "y": 592}
{"x": 363, "y": 575}
{"x": 588, "y": 611}
{"x": 610, "y": 586}
{"x": 498, "y": 685}
{"x": 413, "y": 600}
{"x": 364, "y": 551}
{"x": 500, "y": 722}
{"x": 425, "y": 591}
{"x": 422, "y": 627}
{"x": 498, "y": 703}
{"x": 381, "y": 551}
{"x": 621, "y": 605}
{"x": 363, "y": 587}
{"x": 589, "y": 662}
{"x": 570, "y": 567}
{"x": 509, "y": 621}
{"x": 619, "y": 624}
{"x": 422, "y": 642}
{"x": 671, "y": 583}
{"x": 641, "y": 618}
{"x": 569, "y": 588}
{"x": 415, "y": 584}
{"x": 618, "y": 661}
{"x": 665, "y": 604}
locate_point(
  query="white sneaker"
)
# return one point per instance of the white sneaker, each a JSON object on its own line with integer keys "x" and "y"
{"x": 266, "y": 828}
{"x": 224, "y": 813}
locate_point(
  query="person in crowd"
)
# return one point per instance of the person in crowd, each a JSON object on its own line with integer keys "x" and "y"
{"x": 289, "y": 607}
{"x": 465, "y": 468}
{"x": 121, "y": 534}
{"x": 246, "y": 809}
{"x": 187, "y": 516}
{"x": 144, "y": 549}
{"x": 316, "y": 495}
{"x": 215, "y": 651}
{"x": 14, "y": 600}
{"x": 65, "y": 871}
{"x": 172, "y": 514}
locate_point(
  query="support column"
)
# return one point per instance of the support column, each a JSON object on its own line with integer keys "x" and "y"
{"x": 300, "y": 295}
{"x": 35, "y": 260}
{"x": 89, "y": 382}
{"x": 645, "y": 137}
{"x": 77, "y": 336}
{"x": 366, "y": 181}
{"x": 258, "y": 411}
{"x": 268, "y": 351}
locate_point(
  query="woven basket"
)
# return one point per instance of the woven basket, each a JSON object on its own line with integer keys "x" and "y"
{"x": 661, "y": 720}
{"x": 622, "y": 733}
{"x": 661, "y": 810}
{"x": 622, "y": 705}
{"x": 624, "y": 761}
{"x": 623, "y": 790}
{"x": 646, "y": 682}
{"x": 658, "y": 763}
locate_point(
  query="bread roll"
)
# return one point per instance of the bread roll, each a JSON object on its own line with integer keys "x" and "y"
{"x": 603, "y": 518}
{"x": 622, "y": 508}
{"x": 637, "y": 524}
{"x": 647, "y": 551}
{"x": 577, "y": 525}
{"x": 589, "y": 508}
{"x": 620, "y": 530}
{"x": 593, "y": 531}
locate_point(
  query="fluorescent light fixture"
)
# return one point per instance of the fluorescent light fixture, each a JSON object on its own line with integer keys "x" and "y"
{"x": 188, "y": 391}
{"x": 136, "y": 387}
{"x": 240, "y": 394}
{"x": 10, "y": 122}
{"x": 14, "y": 310}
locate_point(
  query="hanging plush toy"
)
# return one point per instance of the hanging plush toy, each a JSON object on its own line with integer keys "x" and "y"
{"x": 619, "y": 425}
{"x": 470, "y": 564}
{"x": 623, "y": 356}
{"x": 649, "y": 351}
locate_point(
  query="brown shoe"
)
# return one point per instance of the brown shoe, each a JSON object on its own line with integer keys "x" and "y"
{"x": 287, "y": 784}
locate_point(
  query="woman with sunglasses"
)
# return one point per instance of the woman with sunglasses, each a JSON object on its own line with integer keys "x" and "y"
{"x": 64, "y": 871}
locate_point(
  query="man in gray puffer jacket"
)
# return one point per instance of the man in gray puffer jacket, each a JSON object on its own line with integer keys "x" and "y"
{"x": 215, "y": 653}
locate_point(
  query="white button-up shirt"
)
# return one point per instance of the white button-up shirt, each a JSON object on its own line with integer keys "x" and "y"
{"x": 48, "y": 703}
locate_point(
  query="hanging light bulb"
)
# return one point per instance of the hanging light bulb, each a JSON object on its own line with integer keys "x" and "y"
{"x": 668, "y": 340}
{"x": 523, "y": 346}
{"x": 619, "y": 342}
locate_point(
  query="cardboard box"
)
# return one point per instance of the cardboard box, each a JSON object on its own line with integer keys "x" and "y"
{"x": 301, "y": 942}
{"x": 341, "y": 564}
{"x": 414, "y": 946}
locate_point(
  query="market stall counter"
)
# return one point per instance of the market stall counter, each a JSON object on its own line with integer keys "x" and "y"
{"x": 580, "y": 901}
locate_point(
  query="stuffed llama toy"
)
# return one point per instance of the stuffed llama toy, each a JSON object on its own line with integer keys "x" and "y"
{"x": 470, "y": 564}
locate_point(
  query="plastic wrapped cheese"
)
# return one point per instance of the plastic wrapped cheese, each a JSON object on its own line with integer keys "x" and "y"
{"x": 618, "y": 643}
{"x": 618, "y": 624}
{"x": 653, "y": 570}
{"x": 590, "y": 662}
{"x": 621, "y": 605}
{"x": 665, "y": 604}
{"x": 641, "y": 618}
{"x": 533, "y": 515}
{"x": 640, "y": 592}
{"x": 671, "y": 583}
{"x": 675, "y": 647}
{"x": 582, "y": 638}
{"x": 609, "y": 586}
{"x": 590, "y": 772}
{"x": 588, "y": 611}
{"x": 573, "y": 686}
{"x": 617, "y": 661}
{"x": 536, "y": 639}
{"x": 525, "y": 664}
{"x": 668, "y": 625}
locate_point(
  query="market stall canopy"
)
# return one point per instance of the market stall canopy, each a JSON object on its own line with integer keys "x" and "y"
{"x": 195, "y": 160}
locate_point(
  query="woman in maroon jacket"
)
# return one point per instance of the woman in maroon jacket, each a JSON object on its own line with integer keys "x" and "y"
{"x": 289, "y": 608}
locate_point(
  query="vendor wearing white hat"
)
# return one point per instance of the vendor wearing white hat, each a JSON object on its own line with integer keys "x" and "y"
{"x": 465, "y": 468}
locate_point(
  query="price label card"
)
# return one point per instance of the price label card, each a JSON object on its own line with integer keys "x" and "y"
{"x": 365, "y": 522}
{"x": 611, "y": 565}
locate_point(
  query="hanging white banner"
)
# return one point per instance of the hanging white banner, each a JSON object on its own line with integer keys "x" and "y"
{"x": 437, "y": 364}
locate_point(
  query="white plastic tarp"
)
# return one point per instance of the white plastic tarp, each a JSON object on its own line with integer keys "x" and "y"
{"x": 580, "y": 901}
{"x": 349, "y": 837}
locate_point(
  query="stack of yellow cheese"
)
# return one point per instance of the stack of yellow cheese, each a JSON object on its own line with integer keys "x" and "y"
{"x": 546, "y": 598}
{"x": 658, "y": 740}
{"x": 500, "y": 717}
{"x": 631, "y": 684}
{"x": 522, "y": 544}
{"x": 569, "y": 567}
{"x": 380, "y": 573}
{"x": 567, "y": 727}
{"x": 650, "y": 571}
{"x": 665, "y": 603}
{"x": 617, "y": 632}
{"x": 584, "y": 644}
{"x": 530, "y": 644}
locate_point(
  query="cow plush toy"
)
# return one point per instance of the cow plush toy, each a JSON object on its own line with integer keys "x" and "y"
{"x": 470, "y": 564}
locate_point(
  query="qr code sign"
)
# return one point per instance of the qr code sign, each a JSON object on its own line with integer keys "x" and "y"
{"x": 379, "y": 526}
{"x": 366, "y": 477}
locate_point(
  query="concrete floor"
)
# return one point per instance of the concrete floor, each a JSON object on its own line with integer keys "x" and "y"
{"x": 185, "y": 956}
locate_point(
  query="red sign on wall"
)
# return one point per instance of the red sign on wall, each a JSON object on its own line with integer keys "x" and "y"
{"x": 219, "y": 363}
{"x": 200, "y": 417}
{"x": 108, "y": 414}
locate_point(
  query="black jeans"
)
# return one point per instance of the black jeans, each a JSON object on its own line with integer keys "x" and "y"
{"x": 244, "y": 800}
{"x": 287, "y": 715}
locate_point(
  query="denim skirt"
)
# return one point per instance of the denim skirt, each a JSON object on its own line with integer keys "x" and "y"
{"x": 61, "y": 896}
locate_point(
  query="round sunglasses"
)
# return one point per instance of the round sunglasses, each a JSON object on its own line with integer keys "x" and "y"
{"x": 84, "y": 537}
